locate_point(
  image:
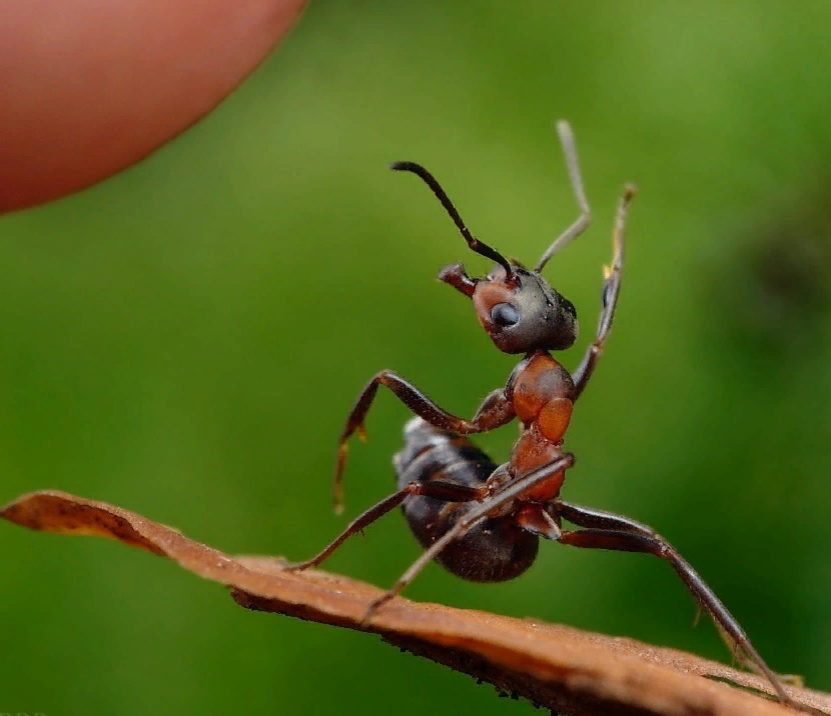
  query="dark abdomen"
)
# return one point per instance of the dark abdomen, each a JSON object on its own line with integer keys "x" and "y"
{"x": 495, "y": 550}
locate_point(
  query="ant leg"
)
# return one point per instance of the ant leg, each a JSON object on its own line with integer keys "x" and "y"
{"x": 583, "y": 221}
{"x": 474, "y": 516}
{"x": 609, "y": 296}
{"x": 600, "y": 519}
{"x": 608, "y": 531}
{"x": 437, "y": 489}
{"x": 495, "y": 411}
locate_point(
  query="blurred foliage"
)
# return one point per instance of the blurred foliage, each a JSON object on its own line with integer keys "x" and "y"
{"x": 186, "y": 339}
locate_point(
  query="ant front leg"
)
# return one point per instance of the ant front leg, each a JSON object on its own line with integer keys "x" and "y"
{"x": 583, "y": 221}
{"x": 436, "y": 489}
{"x": 495, "y": 411}
{"x": 613, "y": 532}
{"x": 609, "y": 296}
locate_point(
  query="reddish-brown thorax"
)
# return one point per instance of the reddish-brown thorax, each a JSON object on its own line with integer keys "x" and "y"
{"x": 542, "y": 393}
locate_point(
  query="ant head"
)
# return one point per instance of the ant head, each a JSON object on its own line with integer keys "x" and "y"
{"x": 518, "y": 310}
{"x": 516, "y": 307}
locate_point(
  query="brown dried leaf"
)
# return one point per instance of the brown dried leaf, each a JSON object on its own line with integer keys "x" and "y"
{"x": 554, "y": 666}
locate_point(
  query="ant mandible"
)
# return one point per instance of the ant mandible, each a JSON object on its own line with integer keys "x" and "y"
{"x": 483, "y": 522}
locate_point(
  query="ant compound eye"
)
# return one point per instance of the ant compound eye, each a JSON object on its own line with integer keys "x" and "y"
{"x": 505, "y": 315}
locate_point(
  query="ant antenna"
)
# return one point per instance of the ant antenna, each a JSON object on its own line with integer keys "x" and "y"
{"x": 478, "y": 246}
{"x": 579, "y": 226}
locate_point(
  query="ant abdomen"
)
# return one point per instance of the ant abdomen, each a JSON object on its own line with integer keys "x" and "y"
{"x": 495, "y": 550}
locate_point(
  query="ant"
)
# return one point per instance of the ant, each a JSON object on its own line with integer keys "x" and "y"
{"x": 482, "y": 522}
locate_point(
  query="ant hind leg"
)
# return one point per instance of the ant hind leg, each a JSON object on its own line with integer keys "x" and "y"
{"x": 605, "y": 530}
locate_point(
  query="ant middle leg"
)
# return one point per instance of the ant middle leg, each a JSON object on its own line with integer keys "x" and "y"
{"x": 436, "y": 489}
{"x": 474, "y": 516}
{"x": 495, "y": 411}
{"x": 609, "y": 297}
{"x": 613, "y": 532}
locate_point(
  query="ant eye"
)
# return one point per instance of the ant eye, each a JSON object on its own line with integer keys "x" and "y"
{"x": 504, "y": 314}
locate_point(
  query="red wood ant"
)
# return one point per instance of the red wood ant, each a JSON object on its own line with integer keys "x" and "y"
{"x": 483, "y": 522}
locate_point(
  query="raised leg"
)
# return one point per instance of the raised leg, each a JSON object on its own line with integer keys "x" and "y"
{"x": 579, "y": 226}
{"x": 476, "y": 514}
{"x": 612, "y": 532}
{"x": 496, "y": 410}
{"x": 609, "y": 296}
{"x": 435, "y": 488}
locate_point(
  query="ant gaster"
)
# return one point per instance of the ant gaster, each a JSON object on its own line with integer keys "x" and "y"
{"x": 483, "y": 522}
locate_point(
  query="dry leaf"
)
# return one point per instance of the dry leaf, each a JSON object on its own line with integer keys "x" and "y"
{"x": 555, "y": 667}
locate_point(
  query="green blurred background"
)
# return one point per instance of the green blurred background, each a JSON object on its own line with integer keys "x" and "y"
{"x": 186, "y": 339}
